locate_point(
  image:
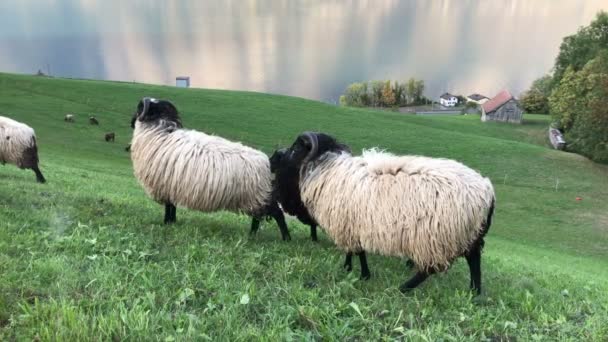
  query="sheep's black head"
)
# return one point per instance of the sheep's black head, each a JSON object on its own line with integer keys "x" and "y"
{"x": 277, "y": 159}
{"x": 153, "y": 110}
{"x": 311, "y": 145}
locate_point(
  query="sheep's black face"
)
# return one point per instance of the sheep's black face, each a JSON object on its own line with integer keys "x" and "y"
{"x": 277, "y": 159}
{"x": 152, "y": 110}
{"x": 310, "y": 146}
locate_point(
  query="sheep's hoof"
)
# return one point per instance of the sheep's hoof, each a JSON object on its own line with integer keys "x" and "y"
{"x": 286, "y": 237}
{"x": 366, "y": 276}
{"x": 348, "y": 266}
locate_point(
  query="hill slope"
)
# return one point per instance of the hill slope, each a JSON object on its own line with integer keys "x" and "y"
{"x": 85, "y": 255}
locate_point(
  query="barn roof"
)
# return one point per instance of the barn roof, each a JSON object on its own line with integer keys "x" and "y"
{"x": 497, "y": 101}
{"x": 447, "y": 96}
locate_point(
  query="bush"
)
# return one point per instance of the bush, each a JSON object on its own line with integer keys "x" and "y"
{"x": 382, "y": 94}
{"x": 355, "y": 95}
{"x": 388, "y": 96}
{"x": 536, "y": 99}
{"x": 375, "y": 92}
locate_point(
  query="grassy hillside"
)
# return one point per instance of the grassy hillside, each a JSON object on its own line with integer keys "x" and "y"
{"x": 85, "y": 256}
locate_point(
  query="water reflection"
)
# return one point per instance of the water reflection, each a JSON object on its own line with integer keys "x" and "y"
{"x": 304, "y": 48}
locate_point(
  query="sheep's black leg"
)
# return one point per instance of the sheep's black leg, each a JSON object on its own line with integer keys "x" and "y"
{"x": 173, "y": 213}
{"x": 348, "y": 262}
{"x": 365, "y": 274}
{"x": 474, "y": 260}
{"x": 278, "y": 216}
{"x": 255, "y": 225}
{"x": 313, "y": 232}
{"x": 170, "y": 213}
{"x": 39, "y": 176}
{"x": 418, "y": 278}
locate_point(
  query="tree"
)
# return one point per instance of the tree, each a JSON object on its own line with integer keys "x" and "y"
{"x": 375, "y": 92}
{"x": 580, "y": 104}
{"x": 420, "y": 91}
{"x": 566, "y": 99}
{"x": 543, "y": 85}
{"x": 355, "y": 95}
{"x": 461, "y": 99}
{"x": 589, "y": 132}
{"x": 536, "y": 99}
{"x": 410, "y": 91}
{"x": 416, "y": 89}
{"x": 578, "y": 49}
{"x": 388, "y": 97}
{"x": 470, "y": 108}
{"x": 399, "y": 91}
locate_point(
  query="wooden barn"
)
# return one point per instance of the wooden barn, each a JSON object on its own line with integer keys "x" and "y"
{"x": 503, "y": 107}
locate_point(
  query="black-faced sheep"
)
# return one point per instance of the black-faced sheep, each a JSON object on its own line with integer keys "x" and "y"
{"x": 69, "y": 118}
{"x": 110, "y": 136}
{"x": 429, "y": 210}
{"x": 289, "y": 203}
{"x": 93, "y": 121}
{"x": 18, "y": 146}
{"x": 188, "y": 168}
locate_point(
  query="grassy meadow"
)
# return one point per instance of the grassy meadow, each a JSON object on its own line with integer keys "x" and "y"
{"x": 85, "y": 257}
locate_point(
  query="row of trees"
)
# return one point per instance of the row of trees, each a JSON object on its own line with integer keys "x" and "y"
{"x": 576, "y": 94}
{"x": 384, "y": 94}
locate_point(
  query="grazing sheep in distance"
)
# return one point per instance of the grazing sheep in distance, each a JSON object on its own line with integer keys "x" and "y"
{"x": 93, "y": 121}
{"x": 69, "y": 118}
{"x": 429, "y": 210}
{"x": 290, "y": 206}
{"x": 18, "y": 146}
{"x": 110, "y": 136}
{"x": 191, "y": 169}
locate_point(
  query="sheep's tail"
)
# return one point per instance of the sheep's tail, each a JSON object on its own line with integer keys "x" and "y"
{"x": 486, "y": 225}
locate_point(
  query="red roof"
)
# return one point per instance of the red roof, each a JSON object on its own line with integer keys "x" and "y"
{"x": 497, "y": 101}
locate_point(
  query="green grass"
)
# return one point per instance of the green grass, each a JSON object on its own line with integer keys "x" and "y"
{"x": 84, "y": 257}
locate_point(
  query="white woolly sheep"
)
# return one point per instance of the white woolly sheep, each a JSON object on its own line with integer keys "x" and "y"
{"x": 199, "y": 171}
{"x": 18, "y": 146}
{"x": 429, "y": 210}
{"x": 69, "y": 118}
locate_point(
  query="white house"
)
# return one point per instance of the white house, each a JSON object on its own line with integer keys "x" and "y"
{"x": 448, "y": 100}
{"x": 182, "y": 81}
{"x": 477, "y": 98}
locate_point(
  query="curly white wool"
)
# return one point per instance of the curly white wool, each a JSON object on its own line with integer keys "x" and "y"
{"x": 15, "y": 138}
{"x": 200, "y": 171}
{"x": 429, "y": 210}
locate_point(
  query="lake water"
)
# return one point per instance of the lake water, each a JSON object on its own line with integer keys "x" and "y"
{"x": 309, "y": 48}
